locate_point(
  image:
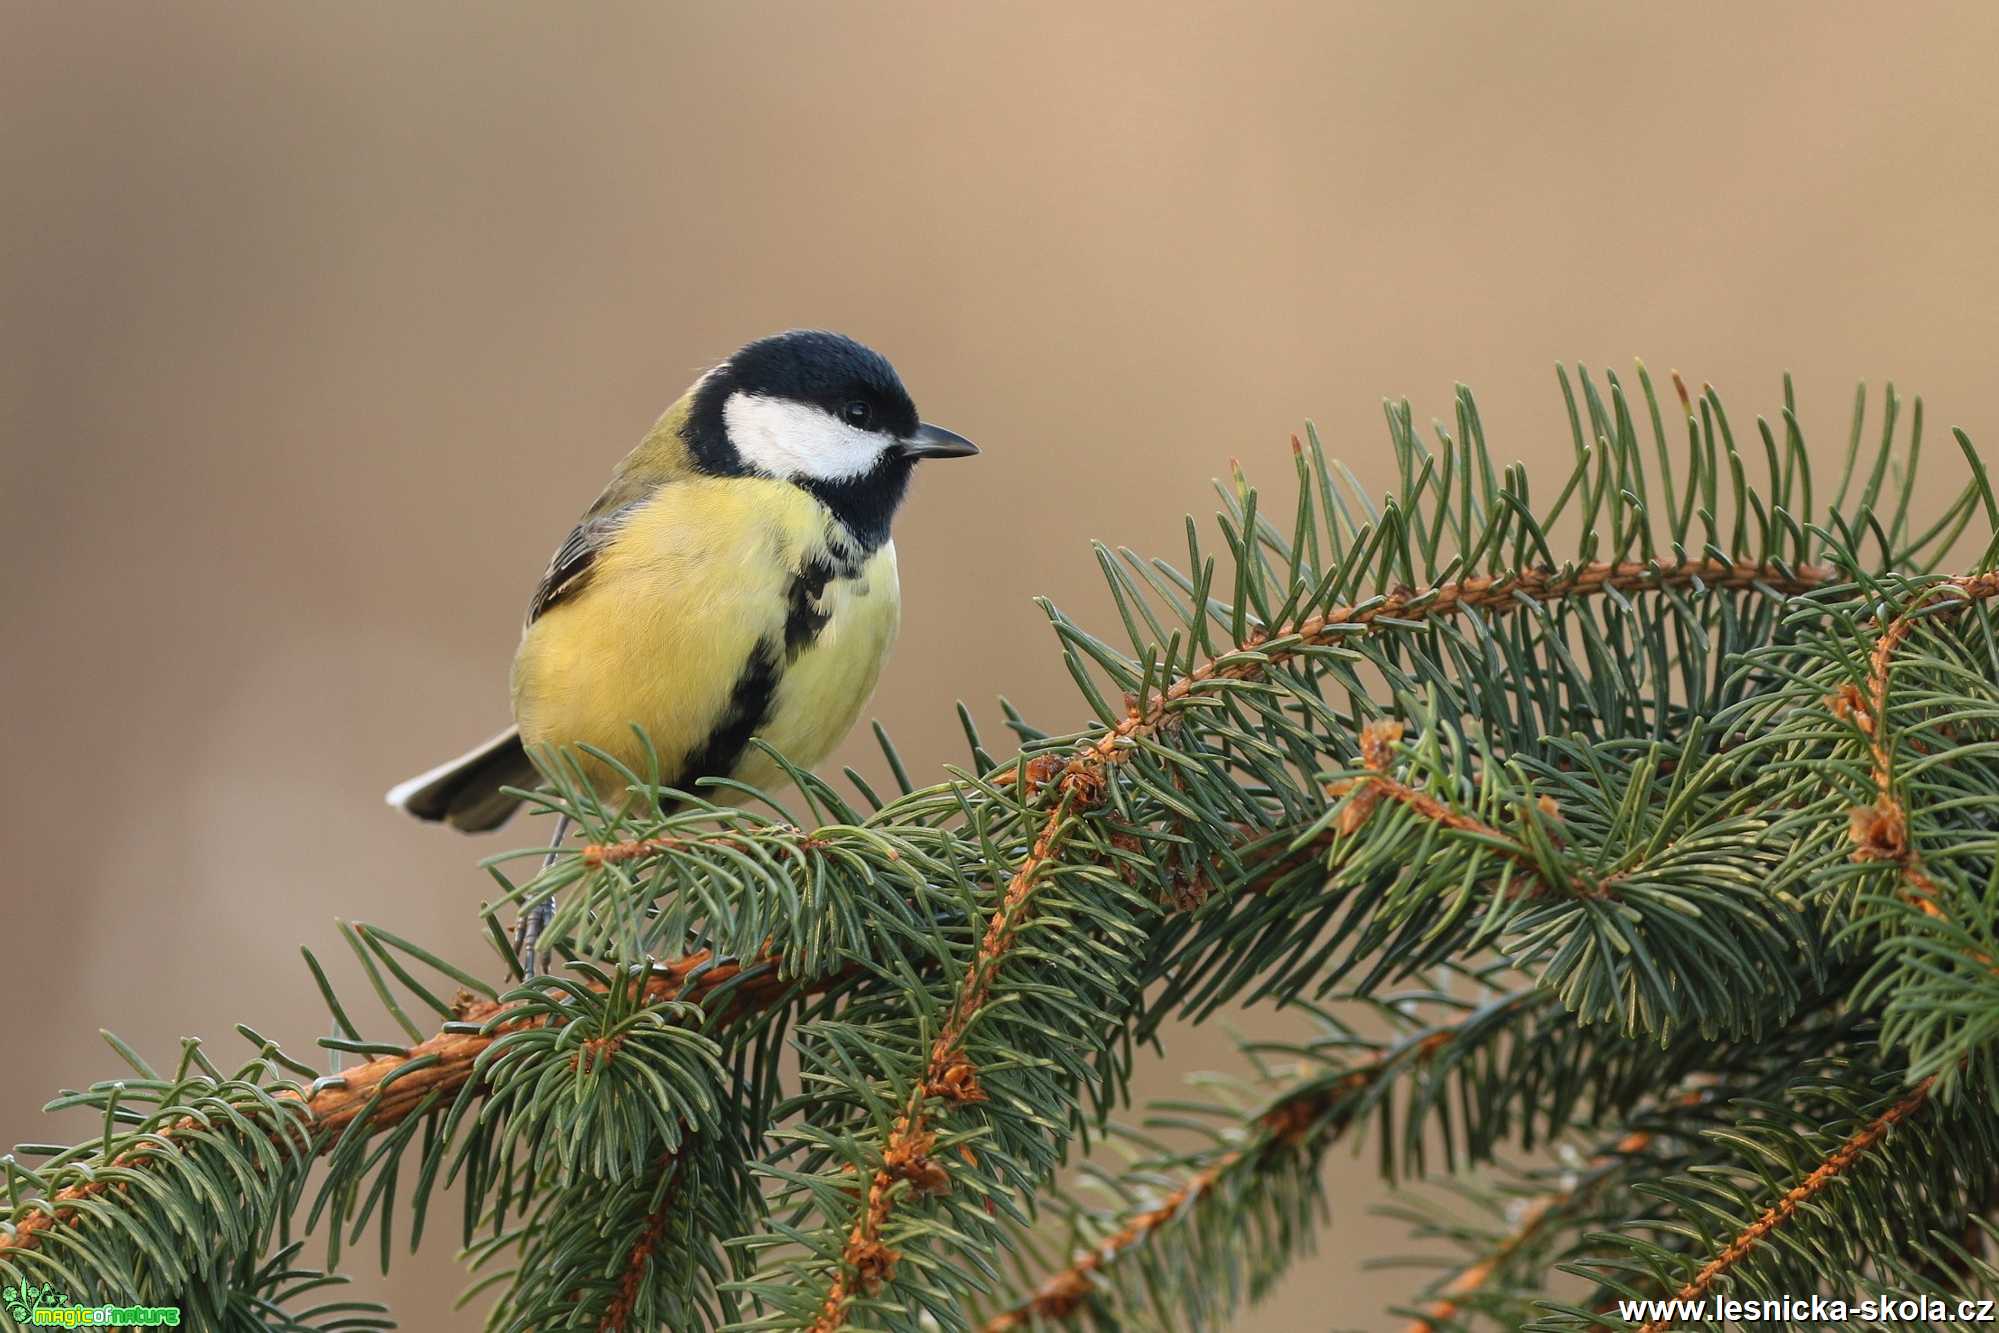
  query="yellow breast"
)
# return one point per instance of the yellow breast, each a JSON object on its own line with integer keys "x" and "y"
{"x": 681, "y": 630}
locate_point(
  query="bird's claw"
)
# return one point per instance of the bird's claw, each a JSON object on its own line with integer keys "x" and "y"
{"x": 527, "y": 937}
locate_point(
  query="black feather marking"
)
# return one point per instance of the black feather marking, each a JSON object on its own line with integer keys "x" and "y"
{"x": 749, "y": 703}
{"x": 805, "y": 614}
{"x": 867, "y": 503}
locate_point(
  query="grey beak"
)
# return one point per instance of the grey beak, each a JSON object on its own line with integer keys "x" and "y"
{"x": 935, "y": 442}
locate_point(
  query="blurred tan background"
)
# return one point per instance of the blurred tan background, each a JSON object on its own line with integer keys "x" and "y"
{"x": 318, "y": 324}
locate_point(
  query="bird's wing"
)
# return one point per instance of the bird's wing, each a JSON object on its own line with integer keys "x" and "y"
{"x": 661, "y": 459}
{"x": 569, "y": 571}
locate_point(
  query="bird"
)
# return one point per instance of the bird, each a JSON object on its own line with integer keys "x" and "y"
{"x": 735, "y": 579}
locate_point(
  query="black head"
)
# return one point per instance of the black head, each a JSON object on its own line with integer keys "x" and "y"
{"x": 823, "y": 412}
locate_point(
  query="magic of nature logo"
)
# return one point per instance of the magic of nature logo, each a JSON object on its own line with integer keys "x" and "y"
{"x": 30, "y": 1306}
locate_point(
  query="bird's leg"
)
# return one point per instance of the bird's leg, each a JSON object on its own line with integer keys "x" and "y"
{"x": 536, "y": 915}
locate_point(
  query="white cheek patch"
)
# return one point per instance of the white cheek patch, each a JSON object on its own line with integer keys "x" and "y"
{"x": 793, "y": 439}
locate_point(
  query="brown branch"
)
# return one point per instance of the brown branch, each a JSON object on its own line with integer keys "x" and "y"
{"x": 1061, "y": 1296}
{"x": 1835, "y": 1165}
{"x": 329, "y": 1108}
{"x": 1058, "y": 1297}
{"x": 1473, "y": 1278}
{"x": 618, "y": 1317}
{"x": 1492, "y": 594}
{"x": 949, "y": 1078}
{"x": 1289, "y": 1121}
{"x": 1880, "y": 832}
{"x": 597, "y": 854}
{"x": 948, "y": 1075}
{"x": 1377, "y": 745}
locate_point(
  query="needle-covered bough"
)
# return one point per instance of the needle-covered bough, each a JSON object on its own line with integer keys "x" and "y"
{"x": 1644, "y": 831}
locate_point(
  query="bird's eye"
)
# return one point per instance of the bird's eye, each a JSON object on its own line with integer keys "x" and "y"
{"x": 858, "y": 415}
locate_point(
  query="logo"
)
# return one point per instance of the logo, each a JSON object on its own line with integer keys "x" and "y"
{"x": 22, "y": 1300}
{"x": 30, "y": 1306}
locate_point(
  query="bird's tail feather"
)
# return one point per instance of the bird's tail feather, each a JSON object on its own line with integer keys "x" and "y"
{"x": 465, "y": 792}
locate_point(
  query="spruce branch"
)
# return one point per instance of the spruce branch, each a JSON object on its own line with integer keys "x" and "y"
{"x": 1834, "y": 1166}
{"x": 1501, "y": 1065}
{"x": 1845, "y": 1173}
{"x": 1904, "y": 768}
{"x": 380, "y": 1093}
{"x": 1291, "y": 1132}
{"x": 949, "y": 1076}
{"x": 1533, "y": 1219}
{"x": 1536, "y": 1216}
{"x": 1286, "y": 1124}
{"x": 1880, "y": 832}
{"x": 618, "y": 1316}
{"x": 1377, "y": 744}
{"x": 1562, "y": 793}
{"x": 867, "y": 1263}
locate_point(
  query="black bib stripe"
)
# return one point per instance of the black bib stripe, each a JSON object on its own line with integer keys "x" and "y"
{"x": 749, "y": 704}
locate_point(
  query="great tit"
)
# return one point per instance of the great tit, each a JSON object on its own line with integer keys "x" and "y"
{"x": 735, "y": 579}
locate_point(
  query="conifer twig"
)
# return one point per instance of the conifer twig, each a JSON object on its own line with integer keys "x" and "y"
{"x": 383, "y": 1093}
{"x": 1473, "y": 1277}
{"x": 1835, "y": 1165}
{"x": 1289, "y": 1120}
{"x": 618, "y": 1316}
{"x": 1880, "y": 832}
{"x": 1377, "y": 744}
{"x": 1536, "y": 1215}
